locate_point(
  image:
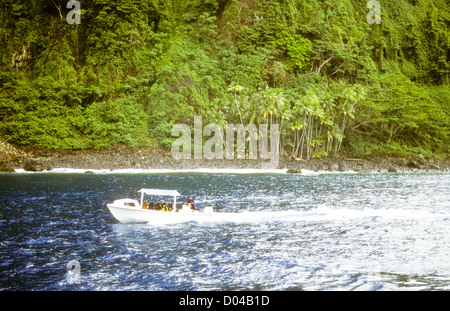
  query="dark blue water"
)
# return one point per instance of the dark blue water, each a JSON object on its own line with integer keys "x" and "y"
{"x": 278, "y": 232}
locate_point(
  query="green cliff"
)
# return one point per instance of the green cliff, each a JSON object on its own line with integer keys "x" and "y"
{"x": 334, "y": 81}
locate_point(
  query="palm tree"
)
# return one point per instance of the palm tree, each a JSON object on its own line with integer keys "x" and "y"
{"x": 353, "y": 95}
{"x": 311, "y": 102}
{"x": 235, "y": 88}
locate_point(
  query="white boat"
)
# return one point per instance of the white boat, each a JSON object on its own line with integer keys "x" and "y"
{"x": 132, "y": 211}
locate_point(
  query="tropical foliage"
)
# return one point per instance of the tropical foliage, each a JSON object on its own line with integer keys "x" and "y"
{"x": 131, "y": 70}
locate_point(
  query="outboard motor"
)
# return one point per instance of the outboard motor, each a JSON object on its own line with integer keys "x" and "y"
{"x": 186, "y": 209}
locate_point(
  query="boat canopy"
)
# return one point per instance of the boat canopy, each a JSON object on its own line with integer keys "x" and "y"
{"x": 163, "y": 192}
{"x": 172, "y": 193}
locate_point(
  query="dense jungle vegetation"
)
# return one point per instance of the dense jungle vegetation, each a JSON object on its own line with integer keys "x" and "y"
{"x": 132, "y": 69}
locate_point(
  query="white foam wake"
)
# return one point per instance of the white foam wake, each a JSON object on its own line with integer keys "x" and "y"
{"x": 174, "y": 171}
{"x": 324, "y": 213}
{"x": 161, "y": 171}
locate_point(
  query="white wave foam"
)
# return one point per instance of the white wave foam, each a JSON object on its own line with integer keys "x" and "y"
{"x": 243, "y": 171}
{"x": 161, "y": 171}
{"x": 317, "y": 173}
{"x": 324, "y": 213}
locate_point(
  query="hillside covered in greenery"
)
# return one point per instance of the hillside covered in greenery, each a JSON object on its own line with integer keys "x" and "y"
{"x": 131, "y": 70}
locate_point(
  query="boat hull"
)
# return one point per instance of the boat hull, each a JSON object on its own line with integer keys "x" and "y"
{"x": 134, "y": 215}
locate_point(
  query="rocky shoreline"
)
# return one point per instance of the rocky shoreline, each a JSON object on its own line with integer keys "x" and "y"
{"x": 122, "y": 157}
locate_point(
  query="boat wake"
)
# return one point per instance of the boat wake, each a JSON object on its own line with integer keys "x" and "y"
{"x": 322, "y": 213}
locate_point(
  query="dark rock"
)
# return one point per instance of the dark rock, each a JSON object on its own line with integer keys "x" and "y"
{"x": 343, "y": 168}
{"x": 33, "y": 165}
{"x": 6, "y": 167}
{"x": 413, "y": 164}
{"x": 392, "y": 169}
{"x": 434, "y": 167}
{"x": 294, "y": 171}
{"x": 421, "y": 159}
{"x": 334, "y": 167}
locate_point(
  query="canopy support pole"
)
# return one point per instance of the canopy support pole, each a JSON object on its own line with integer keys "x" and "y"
{"x": 142, "y": 199}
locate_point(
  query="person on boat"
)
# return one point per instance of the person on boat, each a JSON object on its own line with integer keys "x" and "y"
{"x": 190, "y": 202}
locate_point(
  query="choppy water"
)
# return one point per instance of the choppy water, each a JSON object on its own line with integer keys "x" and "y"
{"x": 384, "y": 231}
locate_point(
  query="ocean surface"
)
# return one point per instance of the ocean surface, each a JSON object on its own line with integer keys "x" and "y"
{"x": 271, "y": 231}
